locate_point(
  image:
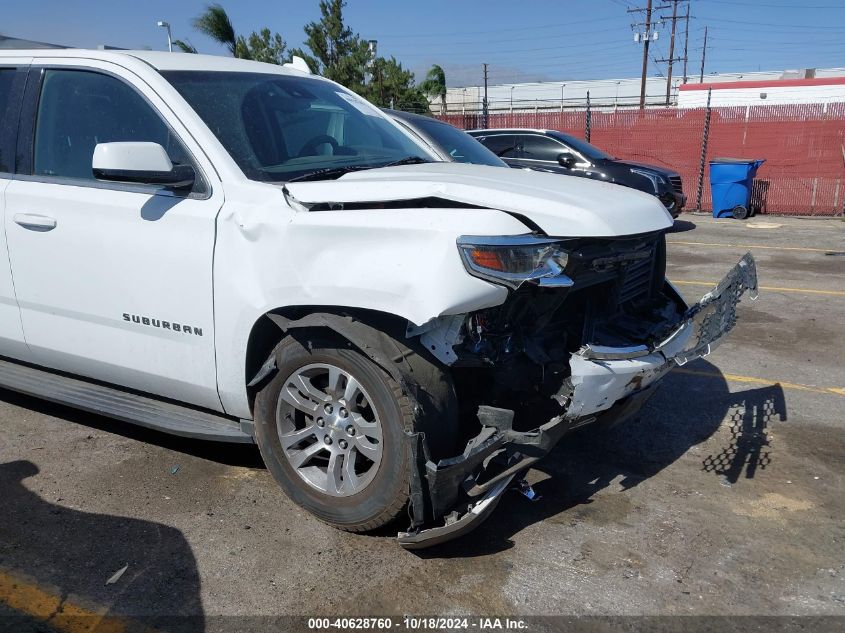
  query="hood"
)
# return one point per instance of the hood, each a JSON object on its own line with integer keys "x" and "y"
{"x": 663, "y": 171}
{"x": 563, "y": 206}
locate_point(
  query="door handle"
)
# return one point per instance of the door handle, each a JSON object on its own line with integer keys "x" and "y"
{"x": 35, "y": 222}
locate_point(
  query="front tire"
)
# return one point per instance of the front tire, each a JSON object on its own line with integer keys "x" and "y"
{"x": 331, "y": 428}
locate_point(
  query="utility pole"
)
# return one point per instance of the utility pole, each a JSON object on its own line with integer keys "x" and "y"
{"x": 484, "y": 111}
{"x": 686, "y": 41}
{"x": 671, "y": 52}
{"x": 645, "y": 54}
{"x": 703, "y": 57}
{"x": 672, "y": 59}
{"x": 645, "y": 37}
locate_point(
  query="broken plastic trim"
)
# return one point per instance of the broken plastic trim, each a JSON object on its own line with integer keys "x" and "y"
{"x": 457, "y": 525}
{"x": 601, "y": 352}
{"x": 455, "y": 489}
{"x": 440, "y": 335}
{"x": 608, "y": 384}
{"x": 715, "y": 314}
{"x": 705, "y": 324}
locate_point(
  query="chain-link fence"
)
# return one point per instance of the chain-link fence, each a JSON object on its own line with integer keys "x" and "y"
{"x": 803, "y": 144}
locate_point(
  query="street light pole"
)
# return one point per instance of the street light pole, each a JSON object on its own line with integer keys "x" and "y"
{"x": 166, "y": 25}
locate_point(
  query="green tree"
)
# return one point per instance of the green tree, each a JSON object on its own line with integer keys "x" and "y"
{"x": 392, "y": 84}
{"x": 185, "y": 46}
{"x": 336, "y": 52}
{"x": 262, "y": 47}
{"x": 434, "y": 85}
{"x": 215, "y": 23}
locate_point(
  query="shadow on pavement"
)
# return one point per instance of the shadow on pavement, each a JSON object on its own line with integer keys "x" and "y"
{"x": 245, "y": 455}
{"x": 681, "y": 226}
{"x": 686, "y": 411}
{"x": 750, "y": 415}
{"x": 71, "y": 554}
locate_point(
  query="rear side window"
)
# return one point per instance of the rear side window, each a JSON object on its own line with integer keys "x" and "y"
{"x": 502, "y": 145}
{"x": 78, "y": 109}
{"x": 8, "y": 112}
{"x": 536, "y": 147}
{"x": 458, "y": 144}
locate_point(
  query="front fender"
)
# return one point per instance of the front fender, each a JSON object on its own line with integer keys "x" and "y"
{"x": 402, "y": 262}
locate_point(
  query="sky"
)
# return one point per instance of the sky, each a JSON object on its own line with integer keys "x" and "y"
{"x": 521, "y": 40}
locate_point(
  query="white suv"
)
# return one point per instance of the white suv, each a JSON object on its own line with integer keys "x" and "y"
{"x": 242, "y": 252}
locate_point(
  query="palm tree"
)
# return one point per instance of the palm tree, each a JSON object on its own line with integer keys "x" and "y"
{"x": 184, "y": 46}
{"x": 215, "y": 23}
{"x": 434, "y": 85}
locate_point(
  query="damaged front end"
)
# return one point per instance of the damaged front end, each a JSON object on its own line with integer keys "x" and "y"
{"x": 584, "y": 340}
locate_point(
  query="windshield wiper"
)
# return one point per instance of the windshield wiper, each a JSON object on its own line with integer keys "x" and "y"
{"x": 408, "y": 160}
{"x": 328, "y": 173}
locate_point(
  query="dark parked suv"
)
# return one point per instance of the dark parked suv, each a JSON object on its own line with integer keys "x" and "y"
{"x": 549, "y": 150}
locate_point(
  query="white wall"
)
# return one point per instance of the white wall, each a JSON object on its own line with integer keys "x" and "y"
{"x": 610, "y": 93}
{"x": 768, "y": 95}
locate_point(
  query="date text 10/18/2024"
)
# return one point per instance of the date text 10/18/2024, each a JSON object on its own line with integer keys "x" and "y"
{"x": 413, "y": 623}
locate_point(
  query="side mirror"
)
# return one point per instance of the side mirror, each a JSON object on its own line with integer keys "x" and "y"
{"x": 565, "y": 159}
{"x": 141, "y": 163}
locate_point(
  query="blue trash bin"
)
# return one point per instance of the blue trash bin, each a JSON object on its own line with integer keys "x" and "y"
{"x": 730, "y": 186}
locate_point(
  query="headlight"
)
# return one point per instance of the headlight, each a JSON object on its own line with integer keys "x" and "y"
{"x": 656, "y": 179}
{"x": 515, "y": 259}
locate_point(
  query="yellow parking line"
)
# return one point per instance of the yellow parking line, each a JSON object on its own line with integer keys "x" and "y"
{"x": 60, "y": 615}
{"x": 712, "y": 284}
{"x": 806, "y": 249}
{"x": 837, "y": 391}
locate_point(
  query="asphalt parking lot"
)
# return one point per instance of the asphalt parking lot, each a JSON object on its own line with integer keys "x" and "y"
{"x": 725, "y": 498}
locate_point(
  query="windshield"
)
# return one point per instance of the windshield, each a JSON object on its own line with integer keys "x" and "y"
{"x": 458, "y": 144}
{"x": 279, "y": 127}
{"x": 590, "y": 152}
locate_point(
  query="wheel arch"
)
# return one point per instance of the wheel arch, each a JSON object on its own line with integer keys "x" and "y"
{"x": 378, "y": 335}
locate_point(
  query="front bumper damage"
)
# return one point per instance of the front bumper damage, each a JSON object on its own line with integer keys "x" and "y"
{"x": 608, "y": 384}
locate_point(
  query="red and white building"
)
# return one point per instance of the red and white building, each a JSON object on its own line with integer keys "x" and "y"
{"x": 763, "y": 92}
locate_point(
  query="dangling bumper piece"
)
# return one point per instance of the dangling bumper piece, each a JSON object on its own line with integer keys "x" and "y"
{"x": 608, "y": 384}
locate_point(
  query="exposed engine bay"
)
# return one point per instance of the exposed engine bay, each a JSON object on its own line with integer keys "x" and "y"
{"x": 549, "y": 360}
{"x": 618, "y": 299}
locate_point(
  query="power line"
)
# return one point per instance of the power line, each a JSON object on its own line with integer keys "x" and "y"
{"x": 494, "y": 51}
{"x": 777, "y": 6}
{"x": 784, "y": 26}
{"x": 416, "y": 34}
{"x": 415, "y": 46}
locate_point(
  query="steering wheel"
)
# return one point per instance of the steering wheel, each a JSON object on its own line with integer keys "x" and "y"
{"x": 310, "y": 146}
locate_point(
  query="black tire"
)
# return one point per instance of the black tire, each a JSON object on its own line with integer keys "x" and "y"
{"x": 385, "y": 496}
{"x": 740, "y": 212}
